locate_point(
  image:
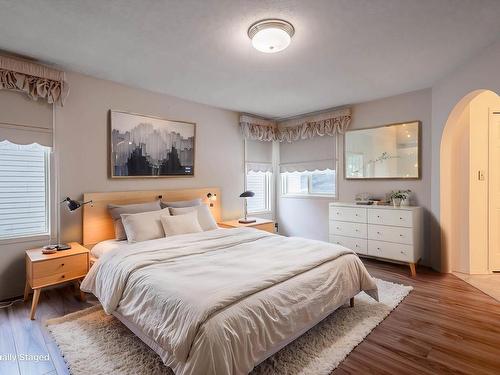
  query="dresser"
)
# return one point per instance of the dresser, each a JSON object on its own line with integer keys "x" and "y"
{"x": 382, "y": 232}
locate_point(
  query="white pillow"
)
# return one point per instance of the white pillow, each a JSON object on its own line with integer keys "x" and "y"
{"x": 180, "y": 224}
{"x": 144, "y": 226}
{"x": 205, "y": 218}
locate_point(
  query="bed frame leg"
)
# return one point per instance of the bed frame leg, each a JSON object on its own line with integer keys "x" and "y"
{"x": 351, "y": 302}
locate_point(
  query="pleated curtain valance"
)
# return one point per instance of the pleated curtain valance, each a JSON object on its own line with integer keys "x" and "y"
{"x": 328, "y": 123}
{"x": 257, "y": 129}
{"x": 37, "y": 81}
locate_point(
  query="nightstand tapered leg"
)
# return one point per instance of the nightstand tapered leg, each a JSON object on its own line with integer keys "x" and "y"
{"x": 80, "y": 293}
{"x": 36, "y": 296}
{"x": 351, "y": 302}
{"x": 27, "y": 290}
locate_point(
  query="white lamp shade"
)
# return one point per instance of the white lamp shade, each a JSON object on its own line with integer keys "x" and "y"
{"x": 271, "y": 40}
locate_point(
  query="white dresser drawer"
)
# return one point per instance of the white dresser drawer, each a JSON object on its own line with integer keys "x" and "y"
{"x": 390, "y": 234}
{"x": 359, "y": 245}
{"x": 389, "y": 250}
{"x": 400, "y": 218}
{"x": 344, "y": 228}
{"x": 354, "y": 214}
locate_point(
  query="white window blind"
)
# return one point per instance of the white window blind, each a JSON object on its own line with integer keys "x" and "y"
{"x": 260, "y": 184}
{"x": 24, "y": 189}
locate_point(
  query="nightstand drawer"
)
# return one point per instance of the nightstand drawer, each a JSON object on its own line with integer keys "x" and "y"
{"x": 57, "y": 270}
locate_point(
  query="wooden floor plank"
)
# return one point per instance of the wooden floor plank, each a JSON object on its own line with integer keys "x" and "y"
{"x": 8, "y": 365}
{"x": 29, "y": 340}
{"x": 445, "y": 326}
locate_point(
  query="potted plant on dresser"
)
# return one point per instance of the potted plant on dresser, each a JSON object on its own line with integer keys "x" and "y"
{"x": 400, "y": 197}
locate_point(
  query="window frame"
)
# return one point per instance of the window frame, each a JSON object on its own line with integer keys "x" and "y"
{"x": 32, "y": 237}
{"x": 309, "y": 194}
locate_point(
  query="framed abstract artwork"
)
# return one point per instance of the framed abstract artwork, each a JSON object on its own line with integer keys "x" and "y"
{"x": 146, "y": 146}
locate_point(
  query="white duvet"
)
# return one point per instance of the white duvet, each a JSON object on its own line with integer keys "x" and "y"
{"x": 217, "y": 302}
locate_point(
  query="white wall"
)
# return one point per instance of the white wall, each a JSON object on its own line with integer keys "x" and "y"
{"x": 480, "y": 72}
{"x": 82, "y": 143}
{"x": 82, "y": 137}
{"x": 308, "y": 217}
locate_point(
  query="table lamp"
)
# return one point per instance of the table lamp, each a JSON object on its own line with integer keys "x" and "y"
{"x": 72, "y": 205}
{"x": 246, "y": 194}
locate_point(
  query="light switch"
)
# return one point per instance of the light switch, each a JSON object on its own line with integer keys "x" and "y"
{"x": 480, "y": 175}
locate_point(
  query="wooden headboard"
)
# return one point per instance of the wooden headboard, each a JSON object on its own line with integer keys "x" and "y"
{"x": 98, "y": 225}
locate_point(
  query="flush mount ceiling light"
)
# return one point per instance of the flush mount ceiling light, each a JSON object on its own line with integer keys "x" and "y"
{"x": 271, "y": 35}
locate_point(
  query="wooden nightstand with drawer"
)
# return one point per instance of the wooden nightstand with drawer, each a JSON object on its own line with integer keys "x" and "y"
{"x": 262, "y": 224}
{"x": 43, "y": 270}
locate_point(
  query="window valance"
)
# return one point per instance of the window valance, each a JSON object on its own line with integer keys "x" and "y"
{"x": 37, "y": 81}
{"x": 258, "y": 129}
{"x": 328, "y": 123}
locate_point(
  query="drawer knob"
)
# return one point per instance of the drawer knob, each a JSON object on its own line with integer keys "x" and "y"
{"x": 400, "y": 218}
{"x": 402, "y": 252}
{"x": 338, "y": 228}
{"x": 62, "y": 276}
{"x": 378, "y": 216}
{"x": 400, "y": 235}
{"x": 357, "y": 230}
{"x": 357, "y": 215}
{"x": 378, "y": 232}
{"x": 357, "y": 245}
{"x": 378, "y": 248}
{"x": 62, "y": 264}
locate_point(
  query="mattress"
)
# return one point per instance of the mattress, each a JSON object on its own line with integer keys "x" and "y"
{"x": 220, "y": 302}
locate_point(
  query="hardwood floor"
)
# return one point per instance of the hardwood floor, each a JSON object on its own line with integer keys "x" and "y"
{"x": 445, "y": 326}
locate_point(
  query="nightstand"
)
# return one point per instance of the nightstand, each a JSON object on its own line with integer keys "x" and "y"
{"x": 262, "y": 224}
{"x": 43, "y": 270}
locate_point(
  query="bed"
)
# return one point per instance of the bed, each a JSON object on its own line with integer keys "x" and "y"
{"x": 222, "y": 301}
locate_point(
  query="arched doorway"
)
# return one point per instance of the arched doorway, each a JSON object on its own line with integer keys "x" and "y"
{"x": 464, "y": 184}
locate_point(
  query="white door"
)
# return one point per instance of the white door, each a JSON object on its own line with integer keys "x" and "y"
{"x": 494, "y": 191}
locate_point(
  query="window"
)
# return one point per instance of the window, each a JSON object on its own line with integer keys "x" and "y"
{"x": 308, "y": 183}
{"x": 261, "y": 184}
{"x": 24, "y": 192}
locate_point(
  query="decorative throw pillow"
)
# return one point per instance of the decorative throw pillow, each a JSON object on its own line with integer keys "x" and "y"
{"x": 178, "y": 204}
{"x": 180, "y": 224}
{"x": 144, "y": 226}
{"x": 205, "y": 218}
{"x": 115, "y": 210}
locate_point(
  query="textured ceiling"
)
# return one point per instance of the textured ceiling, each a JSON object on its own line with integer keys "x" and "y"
{"x": 343, "y": 51}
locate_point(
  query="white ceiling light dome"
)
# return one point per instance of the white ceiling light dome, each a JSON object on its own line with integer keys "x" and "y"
{"x": 271, "y": 35}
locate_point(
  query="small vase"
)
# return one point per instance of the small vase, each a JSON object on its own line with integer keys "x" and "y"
{"x": 405, "y": 202}
{"x": 396, "y": 202}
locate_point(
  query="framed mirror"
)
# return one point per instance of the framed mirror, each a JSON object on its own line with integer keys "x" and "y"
{"x": 383, "y": 152}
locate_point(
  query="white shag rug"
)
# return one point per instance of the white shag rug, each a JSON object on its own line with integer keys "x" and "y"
{"x": 94, "y": 343}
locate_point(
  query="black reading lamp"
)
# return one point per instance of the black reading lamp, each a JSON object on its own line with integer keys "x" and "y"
{"x": 246, "y": 194}
{"x": 72, "y": 205}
